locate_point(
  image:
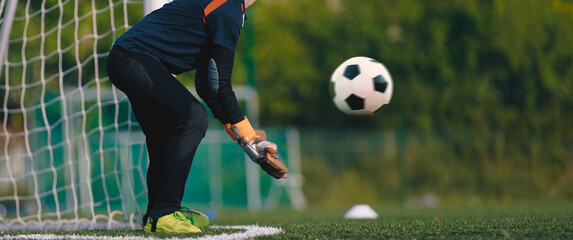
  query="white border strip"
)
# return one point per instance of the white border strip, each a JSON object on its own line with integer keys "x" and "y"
{"x": 251, "y": 231}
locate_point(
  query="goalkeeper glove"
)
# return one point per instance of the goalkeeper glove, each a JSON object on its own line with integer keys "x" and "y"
{"x": 258, "y": 149}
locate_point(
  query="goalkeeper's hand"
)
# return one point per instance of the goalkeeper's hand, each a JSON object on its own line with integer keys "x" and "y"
{"x": 264, "y": 153}
{"x": 258, "y": 149}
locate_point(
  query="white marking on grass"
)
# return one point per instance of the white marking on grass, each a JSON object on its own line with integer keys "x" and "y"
{"x": 251, "y": 231}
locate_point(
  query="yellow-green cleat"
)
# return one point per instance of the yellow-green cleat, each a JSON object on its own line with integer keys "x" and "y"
{"x": 198, "y": 219}
{"x": 176, "y": 222}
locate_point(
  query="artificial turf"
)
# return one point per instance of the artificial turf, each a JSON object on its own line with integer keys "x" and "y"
{"x": 502, "y": 221}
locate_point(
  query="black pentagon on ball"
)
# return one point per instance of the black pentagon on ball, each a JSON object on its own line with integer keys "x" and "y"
{"x": 351, "y": 71}
{"x": 355, "y": 102}
{"x": 380, "y": 84}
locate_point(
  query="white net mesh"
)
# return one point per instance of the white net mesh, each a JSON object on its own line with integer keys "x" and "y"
{"x": 71, "y": 153}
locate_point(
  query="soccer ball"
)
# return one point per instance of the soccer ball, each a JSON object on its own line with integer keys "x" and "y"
{"x": 361, "y": 86}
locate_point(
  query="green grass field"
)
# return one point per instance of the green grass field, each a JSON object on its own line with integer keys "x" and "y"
{"x": 507, "y": 221}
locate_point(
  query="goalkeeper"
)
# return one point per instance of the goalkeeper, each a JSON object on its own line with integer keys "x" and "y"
{"x": 181, "y": 36}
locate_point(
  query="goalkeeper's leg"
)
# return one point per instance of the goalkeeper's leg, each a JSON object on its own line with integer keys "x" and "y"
{"x": 173, "y": 121}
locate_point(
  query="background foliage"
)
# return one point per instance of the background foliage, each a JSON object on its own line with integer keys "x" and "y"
{"x": 482, "y": 105}
{"x": 482, "y": 102}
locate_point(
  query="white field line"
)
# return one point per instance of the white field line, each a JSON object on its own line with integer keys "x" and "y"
{"x": 251, "y": 231}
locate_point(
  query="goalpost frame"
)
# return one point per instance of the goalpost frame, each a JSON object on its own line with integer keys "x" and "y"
{"x": 6, "y": 29}
{"x": 150, "y": 5}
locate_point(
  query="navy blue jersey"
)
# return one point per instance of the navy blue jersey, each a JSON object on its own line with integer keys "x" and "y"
{"x": 178, "y": 33}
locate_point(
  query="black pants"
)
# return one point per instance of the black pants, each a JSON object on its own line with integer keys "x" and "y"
{"x": 171, "y": 118}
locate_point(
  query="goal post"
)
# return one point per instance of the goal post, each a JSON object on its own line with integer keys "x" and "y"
{"x": 7, "y": 21}
{"x": 150, "y": 5}
{"x": 72, "y": 155}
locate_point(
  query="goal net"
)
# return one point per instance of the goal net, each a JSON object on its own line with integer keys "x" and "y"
{"x": 72, "y": 155}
